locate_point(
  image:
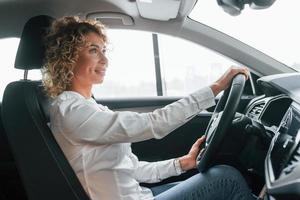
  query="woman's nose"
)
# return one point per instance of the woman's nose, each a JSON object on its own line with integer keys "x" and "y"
{"x": 103, "y": 58}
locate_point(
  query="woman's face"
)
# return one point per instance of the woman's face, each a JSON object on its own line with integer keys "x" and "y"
{"x": 92, "y": 63}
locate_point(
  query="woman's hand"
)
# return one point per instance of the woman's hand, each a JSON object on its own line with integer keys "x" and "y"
{"x": 224, "y": 81}
{"x": 188, "y": 161}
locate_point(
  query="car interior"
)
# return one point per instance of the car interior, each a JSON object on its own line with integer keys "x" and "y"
{"x": 253, "y": 127}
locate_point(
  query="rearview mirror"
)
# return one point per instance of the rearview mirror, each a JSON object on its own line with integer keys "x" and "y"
{"x": 234, "y": 7}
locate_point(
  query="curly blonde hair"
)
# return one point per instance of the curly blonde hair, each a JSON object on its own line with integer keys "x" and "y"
{"x": 63, "y": 43}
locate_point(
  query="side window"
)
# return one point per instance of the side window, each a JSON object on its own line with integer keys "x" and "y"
{"x": 187, "y": 66}
{"x": 8, "y": 49}
{"x": 134, "y": 55}
{"x": 131, "y": 69}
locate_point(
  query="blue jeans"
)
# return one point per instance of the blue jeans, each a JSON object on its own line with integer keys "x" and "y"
{"x": 218, "y": 183}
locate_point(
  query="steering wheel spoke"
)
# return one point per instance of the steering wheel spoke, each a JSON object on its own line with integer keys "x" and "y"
{"x": 215, "y": 120}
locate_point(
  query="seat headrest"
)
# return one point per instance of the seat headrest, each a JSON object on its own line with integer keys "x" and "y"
{"x": 31, "y": 50}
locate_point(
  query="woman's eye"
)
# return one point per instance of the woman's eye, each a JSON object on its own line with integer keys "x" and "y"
{"x": 93, "y": 51}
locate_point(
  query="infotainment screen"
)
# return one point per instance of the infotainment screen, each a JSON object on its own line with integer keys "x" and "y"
{"x": 287, "y": 139}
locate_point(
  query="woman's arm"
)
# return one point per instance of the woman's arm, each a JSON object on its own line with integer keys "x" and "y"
{"x": 153, "y": 172}
{"x": 81, "y": 121}
{"x": 84, "y": 122}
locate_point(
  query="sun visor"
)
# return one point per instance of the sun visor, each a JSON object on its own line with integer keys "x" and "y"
{"x": 112, "y": 18}
{"x": 162, "y": 10}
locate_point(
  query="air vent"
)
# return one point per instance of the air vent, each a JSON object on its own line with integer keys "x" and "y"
{"x": 293, "y": 162}
{"x": 256, "y": 110}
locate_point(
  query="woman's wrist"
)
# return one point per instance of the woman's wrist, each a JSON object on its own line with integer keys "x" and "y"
{"x": 216, "y": 88}
{"x": 186, "y": 163}
{"x": 177, "y": 166}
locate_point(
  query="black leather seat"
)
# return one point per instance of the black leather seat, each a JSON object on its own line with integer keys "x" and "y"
{"x": 44, "y": 170}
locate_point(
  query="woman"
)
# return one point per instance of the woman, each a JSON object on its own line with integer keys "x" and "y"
{"x": 96, "y": 140}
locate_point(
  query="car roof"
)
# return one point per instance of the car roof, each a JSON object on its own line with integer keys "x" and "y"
{"x": 15, "y": 13}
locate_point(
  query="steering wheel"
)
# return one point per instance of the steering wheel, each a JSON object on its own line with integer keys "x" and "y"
{"x": 220, "y": 121}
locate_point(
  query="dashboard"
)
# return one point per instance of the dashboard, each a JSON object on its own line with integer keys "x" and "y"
{"x": 279, "y": 113}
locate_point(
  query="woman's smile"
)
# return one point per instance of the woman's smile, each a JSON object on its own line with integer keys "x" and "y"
{"x": 100, "y": 71}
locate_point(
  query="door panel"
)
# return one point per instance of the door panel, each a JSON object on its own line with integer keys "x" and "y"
{"x": 175, "y": 144}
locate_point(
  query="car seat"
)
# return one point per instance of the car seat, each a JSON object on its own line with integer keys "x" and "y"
{"x": 44, "y": 170}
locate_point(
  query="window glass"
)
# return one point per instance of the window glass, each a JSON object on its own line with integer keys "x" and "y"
{"x": 274, "y": 31}
{"x": 8, "y": 49}
{"x": 34, "y": 74}
{"x": 187, "y": 66}
{"x": 131, "y": 71}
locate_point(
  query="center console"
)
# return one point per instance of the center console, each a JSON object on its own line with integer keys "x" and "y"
{"x": 282, "y": 163}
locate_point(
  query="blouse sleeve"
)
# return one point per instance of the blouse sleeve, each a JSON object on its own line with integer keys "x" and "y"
{"x": 83, "y": 121}
{"x": 153, "y": 172}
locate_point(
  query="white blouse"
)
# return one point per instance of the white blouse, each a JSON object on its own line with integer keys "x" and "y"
{"x": 96, "y": 142}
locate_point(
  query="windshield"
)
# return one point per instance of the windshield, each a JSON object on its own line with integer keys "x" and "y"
{"x": 274, "y": 31}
